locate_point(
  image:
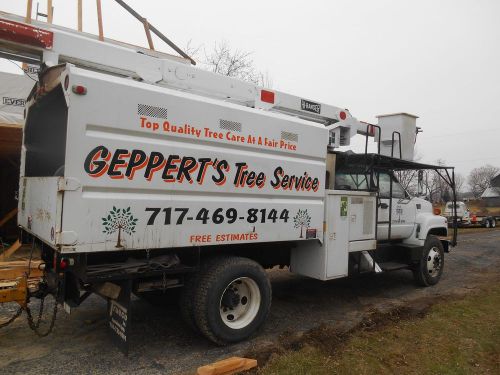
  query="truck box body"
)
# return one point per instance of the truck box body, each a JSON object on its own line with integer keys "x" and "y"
{"x": 111, "y": 163}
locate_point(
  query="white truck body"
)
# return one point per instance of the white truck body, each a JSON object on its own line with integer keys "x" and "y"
{"x": 170, "y": 156}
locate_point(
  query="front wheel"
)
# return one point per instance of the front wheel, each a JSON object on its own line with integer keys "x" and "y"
{"x": 430, "y": 267}
{"x": 231, "y": 300}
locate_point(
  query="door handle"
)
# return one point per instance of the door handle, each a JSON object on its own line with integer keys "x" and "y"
{"x": 383, "y": 205}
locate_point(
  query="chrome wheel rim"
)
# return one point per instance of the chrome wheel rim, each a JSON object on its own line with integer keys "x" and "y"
{"x": 433, "y": 262}
{"x": 240, "y": 303}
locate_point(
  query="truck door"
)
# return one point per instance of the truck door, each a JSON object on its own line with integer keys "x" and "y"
{"x": 403, "y": 209}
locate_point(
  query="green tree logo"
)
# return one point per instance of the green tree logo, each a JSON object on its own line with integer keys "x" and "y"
{"x": 302, "y": 220}
{"x": 118, "y": 220}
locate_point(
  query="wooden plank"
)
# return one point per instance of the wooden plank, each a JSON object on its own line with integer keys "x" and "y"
{"x": 148, "y": 34}
{"x": 228, "y": 366}
{"x": 19, "y": 272}
{"x": 50, "y": 11}
{"x": 20, "y": 263}
{"x": 29, "y": 10}
{"x": 16, "y": 293}
{"x": 11, "y": 126}
{"x": 99, "y": 20}
{"x": 11, "y": 250}
{"x": 80, "y": 12}
{"x": 7, "y": 284}
{"x": 11, "y": 214}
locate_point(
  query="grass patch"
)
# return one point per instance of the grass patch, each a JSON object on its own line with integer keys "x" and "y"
{"x": 454, "y": 337}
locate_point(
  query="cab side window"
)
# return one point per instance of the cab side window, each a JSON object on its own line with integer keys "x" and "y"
{"x": 385, "y": 187}
{"x": 350, "y": 181}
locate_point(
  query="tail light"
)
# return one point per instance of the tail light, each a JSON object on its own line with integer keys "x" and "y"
{"x": 267, "y": 96}
{"x": 65, "y": 263}
{"x": 79, "y": 90}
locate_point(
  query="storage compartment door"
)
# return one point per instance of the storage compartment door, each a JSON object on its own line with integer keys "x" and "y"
{"x": 40, "y": 207}
{"x": 337, "y": 236}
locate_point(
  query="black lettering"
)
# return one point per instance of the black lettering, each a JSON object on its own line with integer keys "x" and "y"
{"x": 239, "y": 168}
{"x": 187, "y": 166}
{"x": 156, "y": 160}
{"x": 116, "y": 162}
{"x": 96, "y": 167}
{"x": 171, "y": 161}
{"x": 315, "y": 184}
{"x": 137, "y": 160}
{"x": 221, "y": 166}
{"x": 277, "y": 173}
{"x": 203, "y": 167}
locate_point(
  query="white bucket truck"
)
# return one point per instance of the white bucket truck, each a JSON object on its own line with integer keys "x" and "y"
{"x": 142, "y": 174}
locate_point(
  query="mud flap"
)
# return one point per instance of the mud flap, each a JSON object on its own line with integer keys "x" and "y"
{"x": 119, "y": 317}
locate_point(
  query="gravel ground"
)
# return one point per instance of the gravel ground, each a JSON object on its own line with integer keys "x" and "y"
{"x": 161, "y": 344}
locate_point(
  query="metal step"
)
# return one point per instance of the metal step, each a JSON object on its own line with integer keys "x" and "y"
{"x": 372, "y": 265}
{"x": 392, "y": 266}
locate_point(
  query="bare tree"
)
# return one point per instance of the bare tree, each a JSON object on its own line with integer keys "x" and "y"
{"x": 480, "y": 179}
{"x": 408, "y": 179}
{"x": 459, "y": 184}
{"x": 227, "y": 61}
{"x": 435, "y": 188}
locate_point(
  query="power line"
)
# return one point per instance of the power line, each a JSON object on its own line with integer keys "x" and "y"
{"x": 25, "y": 73}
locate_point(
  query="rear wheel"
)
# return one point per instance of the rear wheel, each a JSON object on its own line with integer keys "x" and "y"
{"x": 232, "y": 299}
{"x": 430, "y": 267}
{"x": 487, "y": 223}
{"x": 493, "y": 223}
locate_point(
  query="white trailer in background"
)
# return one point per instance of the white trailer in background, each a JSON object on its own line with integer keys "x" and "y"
{"x": 465, "y": 217}
{"x": 141, "y": 173}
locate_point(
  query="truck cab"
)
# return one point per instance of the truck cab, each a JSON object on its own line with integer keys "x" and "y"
{"x": 400, "y": 216}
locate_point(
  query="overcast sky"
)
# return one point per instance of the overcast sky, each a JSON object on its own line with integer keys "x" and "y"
{"x": 437, "y": 59}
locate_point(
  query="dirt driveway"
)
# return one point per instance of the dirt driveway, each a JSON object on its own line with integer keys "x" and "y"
{"x": 161, "y": 344}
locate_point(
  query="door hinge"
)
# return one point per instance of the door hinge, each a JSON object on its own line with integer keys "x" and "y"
{"x": 68, "y": 184}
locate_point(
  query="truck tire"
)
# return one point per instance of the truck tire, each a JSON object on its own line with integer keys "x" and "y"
{"x": 493, "y": 223}
{"x": 430, "y": 267}
{"x": 232, "y": 299}
{"x": 186, "y": 302}
{"x": 486, "y": 223}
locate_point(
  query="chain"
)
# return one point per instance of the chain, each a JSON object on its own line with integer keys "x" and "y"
{"x": 34, "y": 326}
{"x": 40, "y": 312}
